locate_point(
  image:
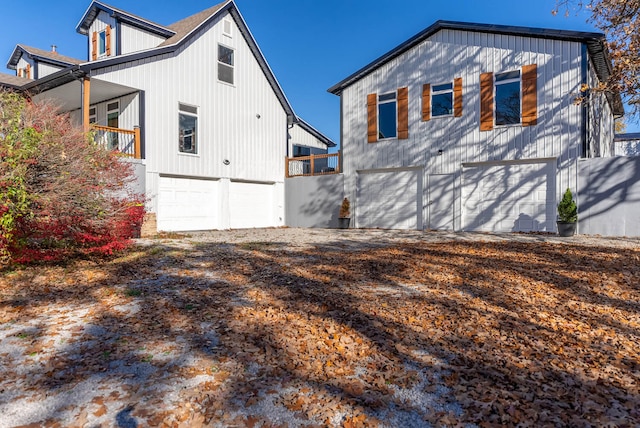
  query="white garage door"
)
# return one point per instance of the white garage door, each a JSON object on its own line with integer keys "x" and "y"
{"x": 509, "y": 197}
{"x": 388, "y": 200}
{"x": 251, "y": 205}
{"x": 187, "y": 204}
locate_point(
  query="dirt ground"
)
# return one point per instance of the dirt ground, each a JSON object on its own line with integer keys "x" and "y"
{"x": 299, "y": 327}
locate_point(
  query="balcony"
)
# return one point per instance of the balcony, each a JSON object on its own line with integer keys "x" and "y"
{"x": 307, "y": 166}
{"x": 124, "y": 141}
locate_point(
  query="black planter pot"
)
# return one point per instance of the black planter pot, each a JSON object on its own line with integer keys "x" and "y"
{"x": 343, "y": 222}
{"x": 566, "y": 229}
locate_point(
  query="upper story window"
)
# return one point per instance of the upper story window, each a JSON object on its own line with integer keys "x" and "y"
{"x": 507, "y": 98}
{"x": 442, "y": 100}
{"x": 387, "y": 116}
{"x": 188, "y": 129}
{"x": 102, "y": 42}
{"x": 225, "y": 64}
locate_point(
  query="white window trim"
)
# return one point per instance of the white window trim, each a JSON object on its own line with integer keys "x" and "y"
{"x": 233, "y": 67}
{"x": 116, "y": 110}
{"x": 196, "y": 115}
{"x": 395, "y": 100}
{"x": 453, "y": 99}
{"x": 224, "y": 24}
{"x": 495, "y": 91}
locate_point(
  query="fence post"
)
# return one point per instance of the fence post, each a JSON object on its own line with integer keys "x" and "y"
{"x": 286, "y": 167}
{"x": 136, "y": 141}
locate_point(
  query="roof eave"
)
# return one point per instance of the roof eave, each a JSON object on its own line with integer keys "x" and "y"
{"x": 15, "y": 57}
{"x": 54, "y": 80}
{"x": 313, "y": 131}
{"x": 93, "y": 10}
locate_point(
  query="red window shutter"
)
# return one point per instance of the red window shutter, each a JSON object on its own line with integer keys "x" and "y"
{"x": 94, "y": 46}
{"x": 529, "y": 95}
{"x": 486, "y": 101}
{"x": 372, "y": 118}
{"x": 28, "y": 76}
{"x": 108, "y": 37}
{"x": 403, "y": 113}
{"x": 457, "y": 97}
{"x": 426, "y": 102}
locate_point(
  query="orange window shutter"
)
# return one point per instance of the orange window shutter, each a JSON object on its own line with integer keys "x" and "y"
{"x": 486, "y": 101}
{"x": 529, "y": 95}
{"x": 457, "y": 97}
{"x": 94, "y": 46}
{"x": 426, "y": 102}
{"x": 28, "y": 76}
{"x": 372, "y": 118}
{"x": 108, "y": 37}
{"x": 403, "y": 113}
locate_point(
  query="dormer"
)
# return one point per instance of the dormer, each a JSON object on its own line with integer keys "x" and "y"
{"x": 34, "y": 63}
{"x": 112, "y": 31}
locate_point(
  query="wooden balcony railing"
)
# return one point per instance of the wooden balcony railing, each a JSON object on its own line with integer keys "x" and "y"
{"x": 124, "y": 141}
{"x": 312, "y": 165}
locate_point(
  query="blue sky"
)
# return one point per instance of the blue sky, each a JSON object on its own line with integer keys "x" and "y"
{"x": 309, "y": 44}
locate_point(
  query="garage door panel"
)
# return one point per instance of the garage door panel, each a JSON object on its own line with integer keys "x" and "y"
{"x": 187, "y": 204}
{"x": 251, "y": 205}
{"x": 506, "y": 198}
{"x": 388, "y": 200}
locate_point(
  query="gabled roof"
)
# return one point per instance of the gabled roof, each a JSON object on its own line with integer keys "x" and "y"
{"x": 595, "y": 43}
{"x": 95, "y": 7}
{"x": 184, "y": 31}
{"x": 313, "y": 131}
{"x": 13, "y": 82}
{"x": 40, "y": 54}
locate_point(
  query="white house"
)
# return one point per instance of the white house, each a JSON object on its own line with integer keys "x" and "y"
{"x": 474, "y": 127}
{"x": 211, "y": 144}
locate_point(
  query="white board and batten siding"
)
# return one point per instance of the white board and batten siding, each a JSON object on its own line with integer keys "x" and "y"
{"x": 442, "y": 145}
{"x": 134, "y": 39}
{"x": 300, "y": 137}
{"x": 45, "y": 69}
{"x": 242, "y": 128}
{"x": 103, "y": 19}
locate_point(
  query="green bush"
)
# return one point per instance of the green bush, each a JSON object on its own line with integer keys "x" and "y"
{"x": 567, "y": 208}
{"x": 60, "y": 193}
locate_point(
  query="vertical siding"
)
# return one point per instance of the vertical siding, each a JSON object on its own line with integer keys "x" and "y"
{"x": 601, "y": 124}
{"x": 23, "y": 62}
{"x": 300, "y": 137}
{"x": 441, "y": 58}
{"x": 134, "y": 39}
{"x": 228, "y": 126}
{"x": 45, "y": 69}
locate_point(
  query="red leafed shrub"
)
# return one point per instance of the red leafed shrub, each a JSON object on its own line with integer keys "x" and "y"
{"x": 61, "y": 194}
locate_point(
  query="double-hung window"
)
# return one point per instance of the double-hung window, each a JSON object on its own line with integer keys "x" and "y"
{"x": 442, "y": 100}
{"x": 387, "y": 116}
{"x": 188, "y": 129}
{"x": 507, "y": 98}
{"x": 225, "y": 64}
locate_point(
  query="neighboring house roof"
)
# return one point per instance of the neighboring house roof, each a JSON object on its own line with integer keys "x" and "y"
{"x": 13, "y": 82}
{"x": 627, "y": 137}
{"x": 595, "y": 43}
{"x": 95, "y": 7}
{"x": 42, "y": 55}
{"x": 313, "y": 131}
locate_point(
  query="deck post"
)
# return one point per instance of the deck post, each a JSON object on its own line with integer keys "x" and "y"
{"x": 313, "y": 170}
{"x": 136, "y": 142}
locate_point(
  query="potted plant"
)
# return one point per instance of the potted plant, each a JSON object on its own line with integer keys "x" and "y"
{"x": 344, "y": 217}
{"x": 567, "y": 215}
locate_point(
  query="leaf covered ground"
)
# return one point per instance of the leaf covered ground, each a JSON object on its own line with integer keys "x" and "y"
{"x": 265, "y": 334}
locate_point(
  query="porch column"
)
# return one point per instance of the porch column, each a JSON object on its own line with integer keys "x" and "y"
{"x": 86, "y": 94}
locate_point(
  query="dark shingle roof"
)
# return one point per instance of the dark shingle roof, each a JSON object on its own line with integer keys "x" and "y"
{"x": 47, "y": 56}
{"x": 185, "y": 26}
{"x": 11, "y": 81}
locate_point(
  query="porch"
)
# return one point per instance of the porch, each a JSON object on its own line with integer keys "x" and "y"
{"x": 308, "y": 166}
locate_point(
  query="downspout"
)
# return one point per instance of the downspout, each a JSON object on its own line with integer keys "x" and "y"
{"x": 585, "y": 106}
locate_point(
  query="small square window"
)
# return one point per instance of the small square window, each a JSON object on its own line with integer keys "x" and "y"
{"x": 225, "y": 64}
{"x": 387, "y": 116}
{"x": 508, "y": 98}
{"x": 188, "y": 129}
